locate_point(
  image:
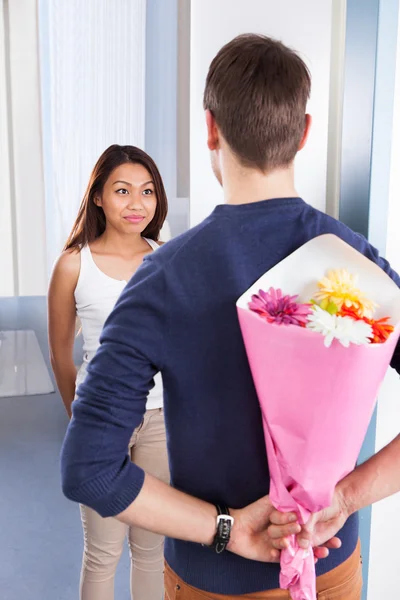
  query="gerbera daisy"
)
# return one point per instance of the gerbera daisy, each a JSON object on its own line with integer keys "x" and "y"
{"x": 277, "y": 308}
{"x": 339, "y": 287}
{"x": 381, "y": 329}
{"x": 345, "y": 329}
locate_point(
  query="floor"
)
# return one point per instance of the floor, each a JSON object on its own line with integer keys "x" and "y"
{"x": 41, "y": 538}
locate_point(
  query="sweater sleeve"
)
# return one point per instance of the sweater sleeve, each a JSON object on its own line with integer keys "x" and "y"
{"x": 95, "y": 466}
{"x": 362, "y": 245}
{"x": 373, "y": 254}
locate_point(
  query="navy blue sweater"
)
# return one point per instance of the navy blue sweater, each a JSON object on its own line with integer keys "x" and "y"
{"x": 178, "y": 316}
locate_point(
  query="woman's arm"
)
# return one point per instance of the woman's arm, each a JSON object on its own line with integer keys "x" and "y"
{"x": 61, "y": 323}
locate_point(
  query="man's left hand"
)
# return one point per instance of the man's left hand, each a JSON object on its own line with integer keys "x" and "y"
{"x": 319, "y": 531}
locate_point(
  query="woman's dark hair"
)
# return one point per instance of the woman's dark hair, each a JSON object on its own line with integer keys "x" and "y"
{"x": 91, "y": 221}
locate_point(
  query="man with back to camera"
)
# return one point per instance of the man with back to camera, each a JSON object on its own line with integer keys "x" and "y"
{"x": 178, "y": 316}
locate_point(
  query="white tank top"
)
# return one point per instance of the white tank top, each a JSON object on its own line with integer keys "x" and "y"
{"x": 95, "y": 296}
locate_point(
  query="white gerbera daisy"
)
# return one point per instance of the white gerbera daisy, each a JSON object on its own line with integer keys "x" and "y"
{"x": 344, "y": 329}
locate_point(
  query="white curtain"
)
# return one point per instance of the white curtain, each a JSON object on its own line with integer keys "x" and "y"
{"x": 92, "y": 57}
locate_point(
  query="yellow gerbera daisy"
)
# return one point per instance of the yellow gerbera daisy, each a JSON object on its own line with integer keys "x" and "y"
{"x": 339, "y": 287}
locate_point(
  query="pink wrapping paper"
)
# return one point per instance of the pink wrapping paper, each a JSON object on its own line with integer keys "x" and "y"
{"x": 316, "y": 402}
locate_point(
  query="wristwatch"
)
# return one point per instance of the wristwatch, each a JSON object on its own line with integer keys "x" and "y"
{"x": 224, "y": 527}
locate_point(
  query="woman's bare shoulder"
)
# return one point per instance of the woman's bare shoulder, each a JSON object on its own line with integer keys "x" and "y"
{"x": 68, "y": 264}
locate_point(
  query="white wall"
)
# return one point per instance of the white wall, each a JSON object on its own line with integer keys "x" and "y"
{"x": 26, "y": 150}
{"x": 215, "y": 22}
{"x": 393, "y": 237}
{"x": 6, "y": 220}
{"x": 384, "y": 572}
{"x": 22, "y": 217}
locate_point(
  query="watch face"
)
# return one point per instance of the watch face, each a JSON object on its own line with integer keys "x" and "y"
{"x": 222, "y": 537}
{"x": 225, "y": 529}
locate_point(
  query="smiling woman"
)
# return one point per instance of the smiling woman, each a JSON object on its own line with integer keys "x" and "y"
{"x": 130, "y": 197}
{"x": 124, "y": 171}
{"x": 118, "y": 224}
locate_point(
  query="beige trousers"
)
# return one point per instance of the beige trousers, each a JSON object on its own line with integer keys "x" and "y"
{"x": 104, "y": 538}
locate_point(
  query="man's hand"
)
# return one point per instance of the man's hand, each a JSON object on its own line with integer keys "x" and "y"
{"x": 319, "y": 531}
{"x": 321, "y": 528}
{"x": 250, "y": 537}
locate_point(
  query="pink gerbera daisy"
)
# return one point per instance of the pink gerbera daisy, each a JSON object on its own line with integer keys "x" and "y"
{"x": 277, "y": 308}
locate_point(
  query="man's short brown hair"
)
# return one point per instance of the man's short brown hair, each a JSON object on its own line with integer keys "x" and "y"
{"x": 257, "y": 90}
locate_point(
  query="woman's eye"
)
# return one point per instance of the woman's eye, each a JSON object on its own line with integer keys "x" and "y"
{"x": 122, "y": 191}
{"x": 147, "y": 192}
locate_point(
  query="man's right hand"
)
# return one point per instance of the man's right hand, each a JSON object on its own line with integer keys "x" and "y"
{"x": 250, "y": 537}
{"x": 260, "y": 532}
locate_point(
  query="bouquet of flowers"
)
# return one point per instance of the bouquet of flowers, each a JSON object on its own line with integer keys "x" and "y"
{"x": 319, "y": 341}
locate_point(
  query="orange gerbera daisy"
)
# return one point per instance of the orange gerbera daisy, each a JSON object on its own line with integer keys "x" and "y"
{"x": 381, "y": 329}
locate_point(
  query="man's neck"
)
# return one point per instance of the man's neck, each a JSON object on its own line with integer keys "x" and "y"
{"x": 244, "y": 186}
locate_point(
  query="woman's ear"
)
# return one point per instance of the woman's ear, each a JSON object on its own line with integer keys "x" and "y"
{"x": 97, "y": 200}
